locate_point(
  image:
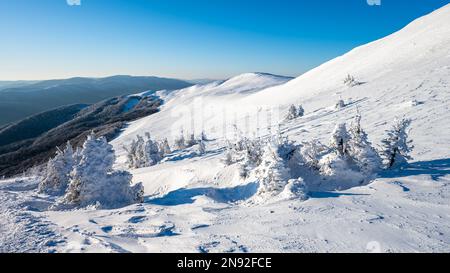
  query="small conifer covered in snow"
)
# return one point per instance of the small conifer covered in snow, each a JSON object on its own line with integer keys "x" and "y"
{"x": 146, "y": 152}
{"x": 164, "y": 147}
{"x": 361, "y": 150}
{"x": 57, "y": 172}
{"x": 294, "y": 112}
{"x": 201, "y": 147}
{"x": 94, "y": 182}
{"x": 340, "y": 104}
{"x": 301, "y": 111}
{"x": 396, "y": 147}
{"x": 339, "y": 139}
{"x": 180, "y": 142}
{"x": 311, "y": 152}
{"x": 247, "y": 152}
{"x": 350, "y": 81}
{"x": 272, "y": 173}
{"x": 295, "y": 189}
{"x": 151, "y": 152}
{"x": 191, "y": 141}
{"x": 203, "y": 136}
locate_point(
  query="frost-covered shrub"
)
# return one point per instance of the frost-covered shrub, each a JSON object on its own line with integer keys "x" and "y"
{"x": 294, "y": 112}
{"x": 340, "y": 104}
{"x": 301, "y": 111}
{"x": 285, "y": 147}
{"x": 191, "y": 141}
{"x": 340, "y": 171}
{"x": 135, "y": 153}
{"x": 361, "y": 150}
{"x": 396, "y": 147}
{"x": 339, "y": 139}
{"x": 164, "y": 148}
{"x": 272, "y": 173}
{"x": 203, "y": 136}
{"x": 201, "y": 147}
{"x": 295, "y": 189}
{"x": 57, "y": 172}
{"x": 94, "y": 182}
{"x": 311, "y": 153}
{"x": 180, "y": 142}
{"x": 350, "y": 81}
{"x": 152, "y": 155}
{"x": 350, "y": 156}
{"x": 246, "y": 152}
{"x": 145, "y": 152}
{"x": 348, "y": 160}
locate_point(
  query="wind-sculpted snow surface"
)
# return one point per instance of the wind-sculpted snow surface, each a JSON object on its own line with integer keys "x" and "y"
{"x": 207, "y": 202}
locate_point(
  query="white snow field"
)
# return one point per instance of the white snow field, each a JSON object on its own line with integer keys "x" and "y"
{"x": 195, "y": 203}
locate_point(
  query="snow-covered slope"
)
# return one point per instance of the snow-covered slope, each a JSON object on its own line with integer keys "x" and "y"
{"x": 200, "y": 102}
{"x": 195, "y": 203}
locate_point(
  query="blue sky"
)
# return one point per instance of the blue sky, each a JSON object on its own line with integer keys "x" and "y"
{"x": 42, "y": 39}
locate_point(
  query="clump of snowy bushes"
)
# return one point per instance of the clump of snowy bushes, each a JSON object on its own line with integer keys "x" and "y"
{"x": 350, "y": 81}
{"x": 146, "y": 152}
{"x": 295, "y": 112}
{"x": 246, "y": 152}
{"x": 286, "y": 169}
{"x": 86, "y": 178}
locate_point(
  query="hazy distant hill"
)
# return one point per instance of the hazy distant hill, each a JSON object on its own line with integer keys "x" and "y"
{"x": 38, "y": 124}
{"x": 22, "y": 99}
{"x": 14, "y": 84}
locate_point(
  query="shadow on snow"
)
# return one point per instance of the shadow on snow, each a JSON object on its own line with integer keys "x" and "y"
{"x": 435, "y": 168}
{"x": 224, "y": 195}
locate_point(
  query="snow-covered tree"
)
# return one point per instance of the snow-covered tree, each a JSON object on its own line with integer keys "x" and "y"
{"x": 301, "y": 111}
{"x": 164, "y": 147}
{"x": 145, "y": 152}
{"x": 247, "y": 152}
{"x": 139, "y": 152}
{"x": 286, "y": 148}
{"x": 396, "y": 147}
{"x": 203, "y": 136}
{"x": 151, "y": 152}
{"x": 191, "y": 141}
{"x": 94, "y": 182}
{"x": 201, "y": 147}
{"x": 295, "y": 189}
{"x": 131, "y": 154}
{"x": 339, "y": 139}
{"x": 294, "y": 112}
{"x": 57, "y": 172}
{"x": 311, "y": 152}
{"x": 350, "y": 81}
{"x": 340, "y": 104}
{"x": 272, "y": 172}
{"x": 180, "y": 142}
{"x": 228, "y": 158}
{"x": 340, "y": 171}
{"x": 361, "y": 150}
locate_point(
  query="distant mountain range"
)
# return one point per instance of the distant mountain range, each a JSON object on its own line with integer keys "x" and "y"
{"x": 21, "y": 99}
